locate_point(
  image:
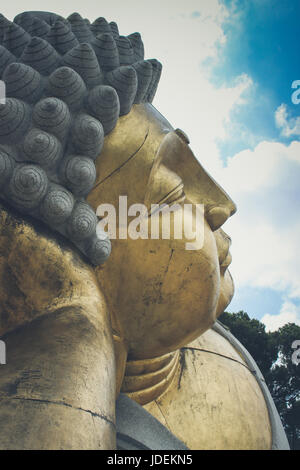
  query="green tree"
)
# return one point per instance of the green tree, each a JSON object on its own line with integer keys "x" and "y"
{"x": 252, "y": 334}
{"x": 272, "y": 352}
{"x": 284, "y": 381}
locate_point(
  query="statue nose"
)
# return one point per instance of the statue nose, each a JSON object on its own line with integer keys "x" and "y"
{"x": 217, "y": 216}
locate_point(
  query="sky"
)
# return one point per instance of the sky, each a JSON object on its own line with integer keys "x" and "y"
{"x": 228, "y": 70}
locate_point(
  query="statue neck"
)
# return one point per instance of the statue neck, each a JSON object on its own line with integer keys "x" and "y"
{"x": 146, "y": 379}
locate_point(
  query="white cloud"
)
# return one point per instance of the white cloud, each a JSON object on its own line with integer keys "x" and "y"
{"x": 265, "y": 231}
{"x": 288, "y": 126}
{"x": 289, "y": 313}
{"x": 269, "y": 165}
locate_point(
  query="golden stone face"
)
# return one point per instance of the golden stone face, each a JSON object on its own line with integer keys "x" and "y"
{"x": 161, "y": 295}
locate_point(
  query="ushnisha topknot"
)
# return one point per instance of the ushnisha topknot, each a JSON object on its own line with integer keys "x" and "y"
{"x": 67, "y": 83}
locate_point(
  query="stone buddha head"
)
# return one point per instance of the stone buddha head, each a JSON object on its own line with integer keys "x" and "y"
{"x": 78, "y": 130}
{"x": 162, "y": 294}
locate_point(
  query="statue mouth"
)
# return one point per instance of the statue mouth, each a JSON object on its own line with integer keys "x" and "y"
{"x": 225, "y": 256}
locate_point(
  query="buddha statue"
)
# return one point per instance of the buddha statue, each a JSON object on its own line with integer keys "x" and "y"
{"x": 97, "y": 331}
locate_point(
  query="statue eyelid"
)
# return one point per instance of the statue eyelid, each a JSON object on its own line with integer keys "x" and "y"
{"x": 176, "y": 195}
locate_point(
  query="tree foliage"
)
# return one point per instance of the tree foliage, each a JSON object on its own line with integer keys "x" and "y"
{"x": 272, "y": 352}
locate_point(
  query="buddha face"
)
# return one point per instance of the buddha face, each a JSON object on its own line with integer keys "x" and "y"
{"x": 162, "y": 295}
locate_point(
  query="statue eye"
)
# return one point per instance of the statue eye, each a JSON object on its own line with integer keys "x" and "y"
{"x": 165, "y": 187}
{"x": 177, "y": 195}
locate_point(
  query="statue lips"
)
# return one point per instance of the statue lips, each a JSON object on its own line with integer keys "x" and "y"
{"x": 225, "y": 264}
{"x": 227, "y": 261}
{"x": 223, "y": 242}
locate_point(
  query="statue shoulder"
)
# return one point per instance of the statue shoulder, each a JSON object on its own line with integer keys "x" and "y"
{"x": 218, "y": 398}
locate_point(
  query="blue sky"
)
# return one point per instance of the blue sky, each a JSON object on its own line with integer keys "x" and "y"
{"x": 262, "y": 41}
{"x": 228, "y": 66}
